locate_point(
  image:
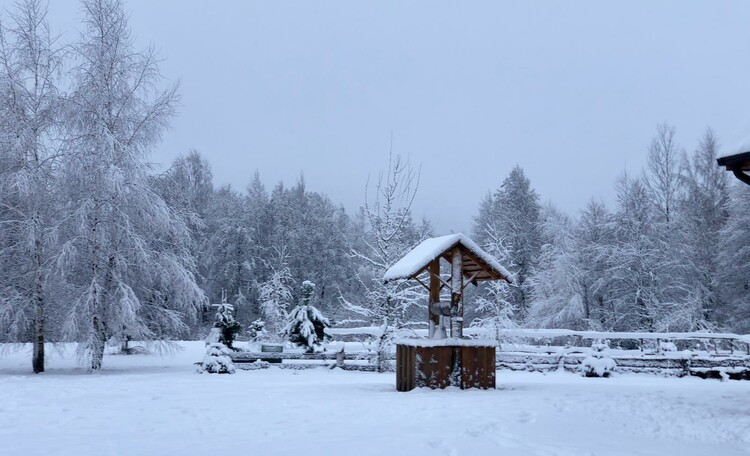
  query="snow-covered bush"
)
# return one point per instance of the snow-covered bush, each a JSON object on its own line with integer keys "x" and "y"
{"x": 598, "y": 363}
{"x": 306, "y": 323}
{"x": 667, "y": 346}
{"x": 257, "y": 331}
{"x": 226, "y": 324}
{"x": 217, "y": 360}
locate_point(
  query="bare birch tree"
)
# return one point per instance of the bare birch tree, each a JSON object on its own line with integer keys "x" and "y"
{"x": 390, "y": 234}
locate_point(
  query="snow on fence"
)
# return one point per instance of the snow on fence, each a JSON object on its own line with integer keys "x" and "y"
{"x": 258, "y": 360}
{"x": 722, "y": 355}
{"x": 596, "y": 335}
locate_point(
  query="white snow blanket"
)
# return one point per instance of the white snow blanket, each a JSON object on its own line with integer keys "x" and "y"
{"x": 429, "y": 249}
{"x": 148, "y": 405}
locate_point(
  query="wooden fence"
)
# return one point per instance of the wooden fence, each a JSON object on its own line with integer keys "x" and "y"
{"x": 356, "y": 360}
{"x": 724, "y": 355}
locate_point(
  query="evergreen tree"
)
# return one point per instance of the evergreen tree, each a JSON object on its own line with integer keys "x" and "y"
{"x": 225, "y": 323}
{"x": 217, "y": 359}
{"x": 513, "y": 213}
{"x": 306, "y": 324}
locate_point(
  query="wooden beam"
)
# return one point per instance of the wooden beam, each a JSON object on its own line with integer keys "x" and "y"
{"x": 739, "y": 174}
{"x": 457, "y": 310}
{"x": 471, "y": 279}
{"x": 443, "y": 283}
{"x": 422, "y": 283}
{"x": 435, "y": 286}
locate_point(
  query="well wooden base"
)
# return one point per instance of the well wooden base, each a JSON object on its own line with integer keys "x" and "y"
{"x": 443, "y": 366}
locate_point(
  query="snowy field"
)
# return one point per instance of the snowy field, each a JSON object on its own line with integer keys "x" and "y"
{"x": 151, "y": 405}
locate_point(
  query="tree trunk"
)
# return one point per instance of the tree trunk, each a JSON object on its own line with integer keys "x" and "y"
{"x": 37, "y": 360}
{"x": 97, "y": 347}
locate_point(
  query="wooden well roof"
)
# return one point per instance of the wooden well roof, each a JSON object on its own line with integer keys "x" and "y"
{"x": 738, "y": 164}
{"x": 476, "y": 263}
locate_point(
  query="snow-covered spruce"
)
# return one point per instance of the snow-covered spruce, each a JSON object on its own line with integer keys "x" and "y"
{"x": 256, "y": 331}
{"x": 306, "y": 324}
{"x": 598, "y": 363}
{"x": 216, "y": 360}
{"x": 225, "y": 323}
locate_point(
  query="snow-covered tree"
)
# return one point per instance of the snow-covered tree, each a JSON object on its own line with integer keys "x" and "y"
{"x": 593, "y": 244}
{"x": 275, "y": 294}
{"x": 702, "y": 215}
{"x": 310, "y": 229}
{"x": 217, "y": 359}
{"x": 225, "y": 324}
{"x": 598, "y": 363}
{"x": 228, "y": 257}
{"x": 639, "y": 272}
{"x": 555, "y": 288}
{"x": 493, "y": 304}
{"x": 388, "y": 234}
{"x": 513, "y": 213}
{"x": 663, "y": 176}
{"x": 306, "y": 326}
{"x": 256, "y": 330}
{"x": 30, "y": 120}
{"x": 734, "y": 260}
{"x": 125, "y": 253}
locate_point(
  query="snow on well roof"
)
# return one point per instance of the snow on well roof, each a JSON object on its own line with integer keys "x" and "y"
{"x": 428, "y": 250}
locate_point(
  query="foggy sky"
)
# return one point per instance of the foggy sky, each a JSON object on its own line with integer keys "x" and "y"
{"x": 572, "y": 92}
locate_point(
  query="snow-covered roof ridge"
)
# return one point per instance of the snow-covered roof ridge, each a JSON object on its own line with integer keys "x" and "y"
{"x": 430, "y": 249}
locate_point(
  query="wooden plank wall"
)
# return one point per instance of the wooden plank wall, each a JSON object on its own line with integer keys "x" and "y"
{"x": 406, "y": 365}
{"x": 478, "y": 367}
{"x": 440, "y": 367}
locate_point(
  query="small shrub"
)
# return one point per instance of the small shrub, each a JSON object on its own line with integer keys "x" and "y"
{"x": 217, "y": 360}
{"x": 598, "y": 363}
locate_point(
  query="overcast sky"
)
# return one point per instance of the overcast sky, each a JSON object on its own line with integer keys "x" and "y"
{"x": 570, "y": 91}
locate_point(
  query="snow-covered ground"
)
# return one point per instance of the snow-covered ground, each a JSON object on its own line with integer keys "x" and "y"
{"x": 150, "y": 405}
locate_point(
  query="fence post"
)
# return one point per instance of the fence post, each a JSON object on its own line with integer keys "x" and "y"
{"x": 340, "y": 358}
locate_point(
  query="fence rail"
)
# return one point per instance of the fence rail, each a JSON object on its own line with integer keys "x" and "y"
{"x": 538, "y": 352}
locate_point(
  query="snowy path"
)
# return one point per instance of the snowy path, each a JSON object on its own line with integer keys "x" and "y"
{"x": 153, "y": 406}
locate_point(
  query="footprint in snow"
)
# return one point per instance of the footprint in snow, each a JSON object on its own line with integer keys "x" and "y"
{"x": 526, "y": 417}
